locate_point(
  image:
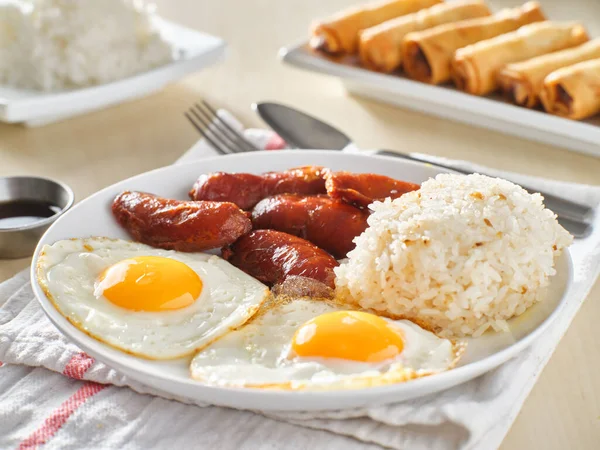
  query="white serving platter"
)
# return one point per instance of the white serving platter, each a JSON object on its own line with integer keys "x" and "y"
{"x": 493, "y": 113}
{"x": 195, "y": 50}
{"x": 92, "y": 217}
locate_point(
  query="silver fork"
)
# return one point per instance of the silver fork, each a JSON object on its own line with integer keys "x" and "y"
{"x": 222, "y": 136}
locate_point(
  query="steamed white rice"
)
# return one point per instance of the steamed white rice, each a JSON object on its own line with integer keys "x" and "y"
{"x": 62, "y": 44}
{"x": 463, "y": 254}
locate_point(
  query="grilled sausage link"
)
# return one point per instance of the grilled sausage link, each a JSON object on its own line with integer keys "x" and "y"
{"x": 246, "y": 190}
{"x": 179, "y": 225}
{"x": 243, "y": 189}
{"x": 307, "y": 180}
{"x": 272, "y": 257}
{"x": 362, "y": 189}
{"x": 328, "y": 223}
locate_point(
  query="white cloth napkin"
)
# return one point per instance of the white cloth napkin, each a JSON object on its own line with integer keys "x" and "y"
{"x": 38, "y": 407}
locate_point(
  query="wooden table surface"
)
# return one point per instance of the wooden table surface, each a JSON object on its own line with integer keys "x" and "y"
{"x": 96, "y": 150}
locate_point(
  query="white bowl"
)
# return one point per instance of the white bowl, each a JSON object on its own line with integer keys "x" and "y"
{"x": 92, "y": 217}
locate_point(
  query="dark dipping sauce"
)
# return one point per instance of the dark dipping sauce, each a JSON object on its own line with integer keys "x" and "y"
{"x": 20, "y": 213}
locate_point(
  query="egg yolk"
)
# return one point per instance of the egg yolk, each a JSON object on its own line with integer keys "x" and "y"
{"x": 350, "y": 335}
{"x": 149, "y": 283}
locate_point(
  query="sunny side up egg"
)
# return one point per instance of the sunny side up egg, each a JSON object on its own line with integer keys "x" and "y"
{"x": 156, "y": 304}
{"x": 309, "y": 344}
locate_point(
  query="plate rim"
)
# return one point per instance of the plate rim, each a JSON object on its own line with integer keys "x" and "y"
{"x": 97, "y": 349}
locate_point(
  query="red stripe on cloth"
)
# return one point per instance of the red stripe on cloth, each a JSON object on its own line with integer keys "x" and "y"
{"x": 78, "y": 366}
{"x": 275, "y": 142}
{"x": 58, "y": 418}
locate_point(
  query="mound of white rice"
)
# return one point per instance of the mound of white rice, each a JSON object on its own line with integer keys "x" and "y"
{"x": 462, "y": 254}
{"x": 61, "y": 44}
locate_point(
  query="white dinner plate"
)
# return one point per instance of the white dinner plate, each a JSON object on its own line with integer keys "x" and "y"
{"x": 92, "y": 217}
{"x": 446, "y": 101}
{"x": 194, "y": 50}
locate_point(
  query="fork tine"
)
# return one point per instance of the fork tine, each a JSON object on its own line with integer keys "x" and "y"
{"x": 232, "y": 133}
{"x": 210, "y": 127}
{"x": 217, "y": 137}
{"x": 205, "y": 135}
{"x": 234, "y": 136}
{"x": 220, "y": 134}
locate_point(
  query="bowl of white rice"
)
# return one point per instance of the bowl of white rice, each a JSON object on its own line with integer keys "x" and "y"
{"x": 60, "y": 58}
{"x": 462, "y": 255}
{"x": 60, "y": 44}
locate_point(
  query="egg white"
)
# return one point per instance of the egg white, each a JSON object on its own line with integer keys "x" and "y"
{"x": 256, "y": 355}
{"x": 67, "y": 271}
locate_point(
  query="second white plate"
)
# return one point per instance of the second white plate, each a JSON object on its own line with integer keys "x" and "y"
{"x": 195, "y": 50}
{"x": 493, "y": 113}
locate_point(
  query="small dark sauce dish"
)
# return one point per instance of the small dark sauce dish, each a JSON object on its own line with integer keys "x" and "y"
{"x": 28, "y": 206}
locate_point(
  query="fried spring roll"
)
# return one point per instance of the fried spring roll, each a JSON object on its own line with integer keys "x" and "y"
{"x": 475, "y": 68}
{"x": 573, "y": 91}
{"x": 427, "y": 55}
{"x": 339, "y": 33}
{"x": 522, "y": 82}
{"x": 380, "y": 47}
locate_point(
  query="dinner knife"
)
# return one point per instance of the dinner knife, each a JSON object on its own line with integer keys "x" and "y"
{"x": 301, "y": 130}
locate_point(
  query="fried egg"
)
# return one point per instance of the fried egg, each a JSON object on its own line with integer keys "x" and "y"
{"x": 152, "y": 303}
{"x": 309, "y": 344}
